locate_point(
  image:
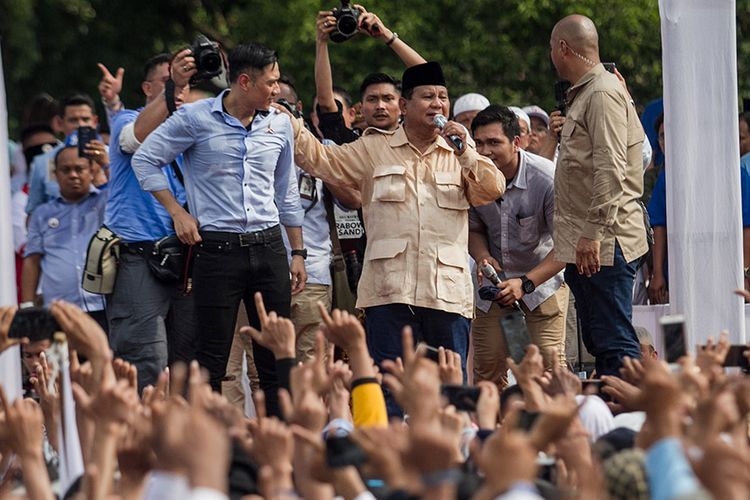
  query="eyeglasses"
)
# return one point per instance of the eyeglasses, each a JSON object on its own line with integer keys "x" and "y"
{"x": 68, "y": 170}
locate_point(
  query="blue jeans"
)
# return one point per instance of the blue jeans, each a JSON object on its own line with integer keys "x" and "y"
{"x": 604, "y": 303}
{"x": 431, "y": 326}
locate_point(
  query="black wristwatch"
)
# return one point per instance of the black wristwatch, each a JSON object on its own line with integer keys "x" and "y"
{"x": 302, "y": 253}
{"x": 527, "y": 285}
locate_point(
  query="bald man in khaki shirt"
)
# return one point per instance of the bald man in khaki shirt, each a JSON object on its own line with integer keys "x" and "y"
{"x": 599, "y": 230}
{"x": 416, "y": 191}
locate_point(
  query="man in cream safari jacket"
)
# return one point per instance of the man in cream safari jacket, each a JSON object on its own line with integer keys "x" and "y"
{"x": 416, "y": 189}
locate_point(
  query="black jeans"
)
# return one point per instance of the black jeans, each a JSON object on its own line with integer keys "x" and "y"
{"x": 230, "y": 267}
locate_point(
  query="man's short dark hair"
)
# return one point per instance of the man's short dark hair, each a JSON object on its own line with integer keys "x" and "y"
{"x": 498, "y": 114}
{"x": 41, "y": 109}
{"x": 340, "y": 91}
{"x": 289, "y": 82}
{"x": 247, "y": 56}
{"x": 76, "y": 100}
{"x": 155, "y": 62}
{"x": 62, "y": 150}
{"x": 376, "y": 78}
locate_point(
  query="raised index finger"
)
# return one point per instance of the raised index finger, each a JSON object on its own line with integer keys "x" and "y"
{"x": 324, "y": 314}
{"x": 260, "y": 307}
{"x": 105, "y": 71}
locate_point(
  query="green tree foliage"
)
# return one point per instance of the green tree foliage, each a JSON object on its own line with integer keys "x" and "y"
{"x": 497, "y": 47}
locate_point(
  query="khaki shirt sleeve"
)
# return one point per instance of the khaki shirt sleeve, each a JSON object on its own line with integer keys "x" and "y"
{"x": 606, "y": 120}
{"x": 484, "y": 182}
{"x": 344, "y": 165}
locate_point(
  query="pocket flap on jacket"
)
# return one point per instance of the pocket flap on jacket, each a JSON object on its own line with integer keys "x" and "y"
{"x": 382, "y": 170}
{"x": 452, "y": 256}
{"x": 385, "y": 249}
{"x": 452, "y": 178}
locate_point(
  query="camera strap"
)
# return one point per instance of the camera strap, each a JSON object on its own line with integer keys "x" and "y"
{"x": 181, "y": 178}
{"x": 169, "y": 98}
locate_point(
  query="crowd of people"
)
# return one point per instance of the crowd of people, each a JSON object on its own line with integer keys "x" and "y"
{"x": 391, "y": 288}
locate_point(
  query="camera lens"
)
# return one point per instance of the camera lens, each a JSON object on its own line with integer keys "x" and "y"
{"x": 210, "y": 62}
{"x": 347, "y": 25}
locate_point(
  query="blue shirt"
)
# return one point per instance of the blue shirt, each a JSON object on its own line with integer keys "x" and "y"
{"x": 132, "y": 213}
{"x": 745, "y": 163}
{"x": 60, "y": 231}
{"x": 668, "y": 471}
{"x": 237, "y": 180}
{"x": 42, "y": 183}
{"x": 657, "y": 205}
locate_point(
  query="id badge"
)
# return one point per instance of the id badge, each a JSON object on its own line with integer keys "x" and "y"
{"x": 307, "y": 189}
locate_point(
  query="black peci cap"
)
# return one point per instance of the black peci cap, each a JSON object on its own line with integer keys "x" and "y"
{"x": 429, "y": 73}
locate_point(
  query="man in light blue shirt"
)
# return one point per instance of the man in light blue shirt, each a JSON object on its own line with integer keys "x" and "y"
{"x": 152, "y": 324}
{"x": 241, "y": 185}
{"x": 76, "y": 111}
{"x": 59, "y": 234}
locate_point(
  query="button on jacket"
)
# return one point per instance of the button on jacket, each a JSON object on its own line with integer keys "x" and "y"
{"x": 599, "y": 174}
{"x": 415, "y": 208}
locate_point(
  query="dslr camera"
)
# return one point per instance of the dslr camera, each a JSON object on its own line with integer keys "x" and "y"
{"x": 346, "y": 22}
{"x": 208, "y": 61}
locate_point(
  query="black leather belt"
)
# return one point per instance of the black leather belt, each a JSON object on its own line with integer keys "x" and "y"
{"x": 244, "y": 239}
{"x": 138, "y": 247}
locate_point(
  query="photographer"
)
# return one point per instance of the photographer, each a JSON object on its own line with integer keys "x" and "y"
{"x": 151, "y": 323}
{"x": 241, "y": 186}
{"x": 379, "y": 94}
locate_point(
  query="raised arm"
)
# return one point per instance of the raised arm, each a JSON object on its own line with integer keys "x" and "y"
{"x": 156, "y": 111}
{"x": 371, "y": 24}
{"x": 160, "y": 148}
{"x": 323, "y": 77}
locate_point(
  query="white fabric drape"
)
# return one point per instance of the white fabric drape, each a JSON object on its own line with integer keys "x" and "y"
{"x": 704, "y": 227}
{"x": 10, "y": 360}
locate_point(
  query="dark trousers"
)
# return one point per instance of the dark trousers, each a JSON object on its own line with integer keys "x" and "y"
{"x": 604, "y": 304}
{"x": 101, "y": 318}
{"x": 230, "y": 267}
{"x": 431, "y": 326}
{"x": 151, "y": 324}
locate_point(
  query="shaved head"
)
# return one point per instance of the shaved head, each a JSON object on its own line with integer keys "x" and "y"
{"x": 579, "y": 33}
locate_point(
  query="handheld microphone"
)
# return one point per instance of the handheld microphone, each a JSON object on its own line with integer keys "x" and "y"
{"x": 489, "y": 272}
{"x": 440, "y": 121}
{"x": 561, "y": 88}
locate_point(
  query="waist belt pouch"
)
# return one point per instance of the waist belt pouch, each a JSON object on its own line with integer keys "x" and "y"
{"x": 167, "y": 260}
{"x": 102, "y": 257}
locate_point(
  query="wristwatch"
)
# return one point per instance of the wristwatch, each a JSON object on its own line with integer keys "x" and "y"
{"x": 527, "y": 285}
{"x": 301, "y": 252}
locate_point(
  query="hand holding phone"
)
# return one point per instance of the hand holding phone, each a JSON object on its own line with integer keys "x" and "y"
{"x": 516, "y": 334}
{"x": 85, "y": 135}
{"x": 33, "y": 323}
{"x": 736, "y": 357}
{"x": 463, "y": 397}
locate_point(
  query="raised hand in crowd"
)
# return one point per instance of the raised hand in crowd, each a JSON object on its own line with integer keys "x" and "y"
{"x": 23, "y": 433}
{"x": 110, "y": 87}
{"x": 276, "y": 333}
{"x": 49, "y": 398}
{"x": 6, "y": 318}
{"x": 449, "y": 366}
